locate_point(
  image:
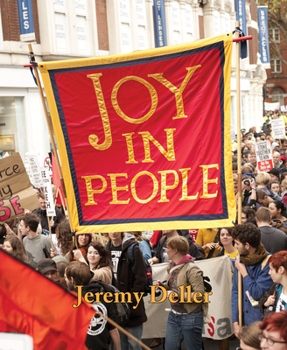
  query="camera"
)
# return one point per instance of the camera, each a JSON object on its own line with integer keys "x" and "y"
{"x": 246, "y": 182}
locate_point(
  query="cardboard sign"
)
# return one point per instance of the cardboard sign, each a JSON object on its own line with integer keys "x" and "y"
{"x": 278, "y": 128}
{"x": 47, "y": 188}
{"x": 264, "y": 156}
{"x": 16, "y": 192}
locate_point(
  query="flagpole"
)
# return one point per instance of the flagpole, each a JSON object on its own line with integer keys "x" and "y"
{"x": 239, "y": 201}
{"x": 49, "y": 225}
{"x": 113, "y": 323}
{"x": 50, "y": 130}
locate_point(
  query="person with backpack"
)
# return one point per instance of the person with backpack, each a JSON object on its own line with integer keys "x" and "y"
{"x": 131, "y": 276}
{"x": 185, "y": 320}
{"x": 100, "y": 331}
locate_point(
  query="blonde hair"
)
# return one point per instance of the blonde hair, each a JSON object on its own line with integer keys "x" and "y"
{"x": 180, "y": 243}
{"x": 284, "y": 183}
{"x": 249, "y": 335}
{"x": 263, "y": 179}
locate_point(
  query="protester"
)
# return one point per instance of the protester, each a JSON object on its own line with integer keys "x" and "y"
{"x": 42, "y": 214}
{"x": 274, "y": 186}
{"x": 207, "y": 239}
{"x": 99, "y": 332}
{"x": 100, "y": 263}
{"x": 48, "y": 268}
{"x": 82, "y": 242}
{"x": 273, "y": 334}
{"x": 143, "y": 244}
{"x": 185, "y": 320}
{"x": 226, "y": 241}
{"x": 248, "y": 336}
{"x": 13, "y": 246}
{"x": 254, "y": 271}
{"x": 65, "y": 240}
{"x": 246, "y": 214}
{"x": 273, "y": 239}
{"x": 276, "y": 297}
{"x": 278, "y": 211}
{"x": 37, "y": 246}
{"x": 130, "y": 278}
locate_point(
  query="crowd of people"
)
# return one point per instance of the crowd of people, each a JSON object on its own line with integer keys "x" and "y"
{"x": 257, "y": 249}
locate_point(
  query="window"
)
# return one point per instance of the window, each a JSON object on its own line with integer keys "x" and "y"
{"x": 278, "y": 95}
{"x": 276, "y": 64}
{"x": 274, "y": 34}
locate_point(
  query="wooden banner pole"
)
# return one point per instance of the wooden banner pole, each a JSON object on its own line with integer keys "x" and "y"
{"x": 239, "y": 202}
{"x": 50, "y": 129}
{"x": 49, "y": 225}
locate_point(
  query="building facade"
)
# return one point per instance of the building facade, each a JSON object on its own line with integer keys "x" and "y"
{"x": 90, "y": 28}
{"x": 277, "y": 75}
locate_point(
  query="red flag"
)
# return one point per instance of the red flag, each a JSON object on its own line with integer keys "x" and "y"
{"x": 32, "y": 304}
{"x": 57, "y": 181}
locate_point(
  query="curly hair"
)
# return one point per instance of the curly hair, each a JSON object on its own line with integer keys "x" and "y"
{"x": 64, "y": 237}
{"x": 104, "y": 254}
{"x": 247, "y": 233}
{"x": 17, "y": 246}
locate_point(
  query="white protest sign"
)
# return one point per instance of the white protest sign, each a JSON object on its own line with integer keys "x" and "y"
{"x": 50, "y": 207}
{"x": 263, "y": 156}
{"x": 33, "y": 169}
{"x": 278, "y": 128}
{"x": 220, "y": 327}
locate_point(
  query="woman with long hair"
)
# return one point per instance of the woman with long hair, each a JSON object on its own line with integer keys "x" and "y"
{"x": 99, "y": 262}
{"x": 226, "y": 241}
{"x": 64, "y": 240}
{"x": 246, "y": 214}
{"x": 13, "y": 246}
{"x": 278, "y": 211}
{"x": 185, "y": 320}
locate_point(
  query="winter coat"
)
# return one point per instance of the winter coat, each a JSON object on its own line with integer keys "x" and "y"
{"x": 132, "y": 278}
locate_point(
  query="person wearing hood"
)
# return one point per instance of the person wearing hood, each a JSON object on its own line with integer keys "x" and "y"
{"x": 130, "y": 278}
{"x": 185, "y": 320}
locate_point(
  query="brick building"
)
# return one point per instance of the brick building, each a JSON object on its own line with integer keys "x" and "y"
{"x": 277, "y": 74}
{"x": 84, "y": 28}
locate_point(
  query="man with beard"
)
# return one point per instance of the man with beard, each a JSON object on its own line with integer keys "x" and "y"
{"x": 99, "y": 332}
{"x": 252, "y": 264}
{"x": 42, "y": 214}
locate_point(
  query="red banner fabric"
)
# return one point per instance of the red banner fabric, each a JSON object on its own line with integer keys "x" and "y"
{"x": 147, "y": 140}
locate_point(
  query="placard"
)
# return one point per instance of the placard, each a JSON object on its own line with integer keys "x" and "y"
{"x": 47, "y": 189}
{"x": 278, "y": 128}
{"x": 16, "y": 192}
{"x": 263, "y": 156}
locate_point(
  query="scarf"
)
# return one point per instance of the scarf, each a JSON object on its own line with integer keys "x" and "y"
{"x": 255, "y": 258}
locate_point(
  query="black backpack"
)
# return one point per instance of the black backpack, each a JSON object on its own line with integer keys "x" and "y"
{"x": 122, "y": 309}
{"x": 131, "y": 260}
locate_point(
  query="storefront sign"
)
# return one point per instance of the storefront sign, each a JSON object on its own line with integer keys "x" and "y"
{"x": 16, "y": 192}
{"x": 25, "y": 12}
{"x": 263, "y": 34}
{"x": 159, "y": 23}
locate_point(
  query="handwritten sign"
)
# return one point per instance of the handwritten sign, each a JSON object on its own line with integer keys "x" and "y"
{"x": 278, "y": 128}
{"x": 47, "y": 188}
{"x": 34, "y": 169}
{"x": 16, "y": 192}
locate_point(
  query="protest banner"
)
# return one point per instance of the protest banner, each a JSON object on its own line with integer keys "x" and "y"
{"x": 263, "y": 156}
{"x": 135, "y": 155}
{"x": 16, "y": 191}
{"x": 220, "y": 325}
{"x": 278, "y": 128}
